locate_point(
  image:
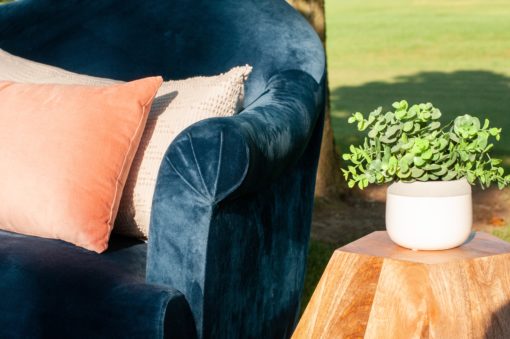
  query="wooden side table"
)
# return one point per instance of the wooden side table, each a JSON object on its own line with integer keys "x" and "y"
{"x": 373, "y": 288}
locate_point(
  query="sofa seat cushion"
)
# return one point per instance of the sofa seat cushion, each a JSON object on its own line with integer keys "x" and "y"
{"x": 53, "y": 289}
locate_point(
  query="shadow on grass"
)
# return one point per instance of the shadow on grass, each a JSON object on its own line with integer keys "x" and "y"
{"x": 477, "y": 92}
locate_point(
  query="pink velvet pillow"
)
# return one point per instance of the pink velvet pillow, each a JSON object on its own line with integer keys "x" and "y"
{"x": 65, "y": 153}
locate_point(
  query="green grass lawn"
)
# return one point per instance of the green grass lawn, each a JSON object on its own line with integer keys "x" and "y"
{"x": 453, "y": 53}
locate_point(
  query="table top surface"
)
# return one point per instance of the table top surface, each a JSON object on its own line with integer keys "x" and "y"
{"x": 379, "y": 244}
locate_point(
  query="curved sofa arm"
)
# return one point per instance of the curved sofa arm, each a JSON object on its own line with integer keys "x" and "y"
{"x": 219, "y": 186}
{"x": 278, "y": 125}
{"x": 218, "y": 156}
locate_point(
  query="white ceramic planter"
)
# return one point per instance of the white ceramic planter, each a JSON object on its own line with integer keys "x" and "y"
{"x": 434, "y": 215}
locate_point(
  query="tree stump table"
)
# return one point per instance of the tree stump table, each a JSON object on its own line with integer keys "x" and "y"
{"x": 373, "y": 288}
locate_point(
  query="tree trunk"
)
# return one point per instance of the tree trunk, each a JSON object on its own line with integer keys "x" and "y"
{"x": 329, "y": 183}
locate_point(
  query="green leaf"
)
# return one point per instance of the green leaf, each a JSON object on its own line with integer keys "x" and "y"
{"x": 425, "y": 115}
{"x": 404, "y": 175}
{"x": 351, "y": 183}
{"x": 427, "y": 155}
{"x": 436, "y": 114}
{"x": 420, "y": 146}
{"x": 404, "y": 166}
{"x": 452, "y": 160}
{"x": 464, "y": 156}
{"x": 425, "y": 177}
{"x": 411, "y": 114}
{"x": 481, "y": 141}
{"x": 400, "y": 114}
{"x": 432, "y": 167}
{"x": 454, "y": 137}
{"x": 370, "y": 177}
{"x": 402, "y": 104}
{"x": 392, "y": 165}
{"x": 376, "y": 111}
{"x": 466, "y": 126}
{"x": 442, "y": 144}
{"x": 408, "y": 126}
{"x": 442, "y": 171}
{"x": 375, "y": 165}
{"x": 484, "y": 180}
{"x": 418, "y": 161}
{"x": 380, "y": 126}
{"x": 363, "y": 183}
{"x": 386, "y": 152}
{"x": 434, "y": 125}
{"x": 450, "y": 175}
{"x": 389, "y": 116}
{"x": 386, "y": 140}
{"x": 378, "y": 178}
{"x": 416, "y": 172}
{"x": 408, "y": 145}
{"x": 391, "y": 131}
{"x": 373, "y": 133}
{"x": 494, "y": 131}
{"x": 346, "y": 156}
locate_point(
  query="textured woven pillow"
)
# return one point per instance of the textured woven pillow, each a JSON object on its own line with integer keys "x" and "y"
{"x": 65, "y": 154}
{"x": 177, "y": 105}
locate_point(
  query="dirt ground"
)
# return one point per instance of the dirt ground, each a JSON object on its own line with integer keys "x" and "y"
{"x": 361, "y": 212}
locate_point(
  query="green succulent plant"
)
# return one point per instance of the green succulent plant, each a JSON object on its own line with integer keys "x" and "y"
{"x": 410, "y": 144}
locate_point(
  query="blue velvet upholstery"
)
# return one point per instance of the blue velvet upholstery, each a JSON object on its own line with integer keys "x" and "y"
{"x": 51, "y": 289}
{"x": 232, "y": 209}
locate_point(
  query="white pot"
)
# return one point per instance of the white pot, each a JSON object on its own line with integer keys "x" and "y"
{"x": 433, "y": 215}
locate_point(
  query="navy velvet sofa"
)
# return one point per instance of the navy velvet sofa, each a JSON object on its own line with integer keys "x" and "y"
{"x": 232, "y": 209}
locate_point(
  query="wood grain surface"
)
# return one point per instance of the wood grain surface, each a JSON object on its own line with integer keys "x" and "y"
{"x": 373, "y": 288}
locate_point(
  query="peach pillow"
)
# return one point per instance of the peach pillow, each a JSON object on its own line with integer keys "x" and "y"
{"x": 178, "y": 104}
{"x": 65, "y": 155}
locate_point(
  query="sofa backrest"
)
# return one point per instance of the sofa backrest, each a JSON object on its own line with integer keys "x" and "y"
{"x": 128, "y": 39}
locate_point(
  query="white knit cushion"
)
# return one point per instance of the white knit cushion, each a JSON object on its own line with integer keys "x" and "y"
{"x": 177, "y": 105}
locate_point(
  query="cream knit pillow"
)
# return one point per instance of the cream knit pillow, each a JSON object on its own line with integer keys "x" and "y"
{"x": 177, "y": 105}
